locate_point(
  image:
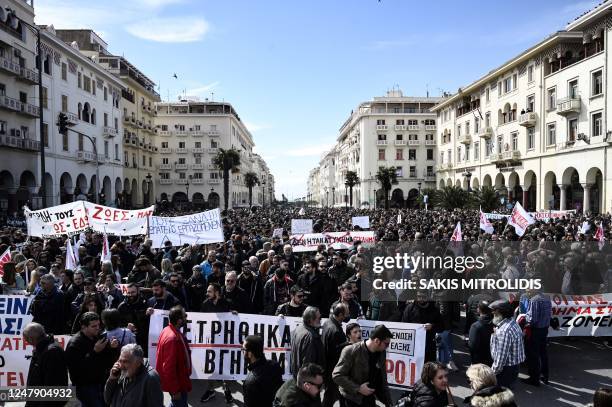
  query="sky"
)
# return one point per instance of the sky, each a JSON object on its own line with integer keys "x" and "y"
{"x": 294, "y": 70}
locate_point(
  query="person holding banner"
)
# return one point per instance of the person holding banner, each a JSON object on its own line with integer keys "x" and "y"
{"x": 360, "y": 373}
{"x": 295, "y": 307}
{"x": 173, "y": 358}
{"x": 264, "y": 377}
{"x": 49, "y": 306}
{"x": 306, "y": 344}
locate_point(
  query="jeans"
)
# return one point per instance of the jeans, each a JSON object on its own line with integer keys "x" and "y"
{"x": 537, "y": 357}
{"x": 182, "y": 402}
{"x": 445, "y": 347}
{"x": 507, "y": 377}
{"x": 91, "y": 395}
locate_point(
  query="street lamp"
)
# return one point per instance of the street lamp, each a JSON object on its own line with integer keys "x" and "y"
{"x": 333, "y": 196}
{"x": 419, "y": 185}
{"x": 36, "y": 31}
{"x": 263, "y": 186}
{"x": 149, "y": 181}
{"x": 346, "y": 196}
{"x": 187, "y": 186}
{"x": 326, "y": 197}
{"x": 375, "y": 198}
{"x": 468, "y": 176}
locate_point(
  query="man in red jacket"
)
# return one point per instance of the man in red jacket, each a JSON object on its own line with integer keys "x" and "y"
{"x": 173, "y": 360}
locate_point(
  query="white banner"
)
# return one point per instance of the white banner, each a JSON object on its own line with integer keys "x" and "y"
{"x": 66, "y": 219}
{"x": 308, "y": 242}
{"x": 118, "y": 222}
{"x": 582, "y": 315}
{"x": 15, "y": 355}
{"x": 301, "y": 226}
{"x": 495, "y": 216}
{"x": 14, "y": 313}
{"x": 361, "y": 221}
{"x": 215, "y": 342}
{"x": 546, "y": 215}
{"x": 198, "y": 228}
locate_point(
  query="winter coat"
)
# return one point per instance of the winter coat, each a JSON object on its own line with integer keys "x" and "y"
{"x": 429, "y": 314}
{"x": 271, "y": 293}
{"x": 491, "y": 396}
{"x": 49, "y": 310}
{"x": 306, "y": 347}
{"x": 173, "y": 361}
{"x": 480, "y": 340}
{"x": 334, "y": 339}
{"x": 144, "y": 390}
{"x": 47, "y": 368}
{"x": 289, "y": 395}
{"x": 426, "y": 396}
{"x": 86, "y": 366}
{"x": 265, "y": 377}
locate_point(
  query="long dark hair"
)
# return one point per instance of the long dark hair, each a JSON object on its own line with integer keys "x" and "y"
{"x": 430, "y": 369}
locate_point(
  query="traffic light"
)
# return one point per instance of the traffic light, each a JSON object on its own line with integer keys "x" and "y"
{"x": 62, "y": 123}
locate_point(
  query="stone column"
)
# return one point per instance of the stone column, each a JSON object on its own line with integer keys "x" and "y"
{"x": 586, "y": 200}
{"x": 563, "y": 196}
{"x": 525, "y": 197}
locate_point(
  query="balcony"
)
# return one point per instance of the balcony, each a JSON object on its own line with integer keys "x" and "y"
{"x": 165, "y": 133}
{"x": 381, "y": 127}
{"x": 109, "y": 132}
{"x": 165, "y": 181}
{"x": 444, "y": 166}
{"x": 213, "y": 133}
{"x": 214, "y": 181}
{"x": 10, "y": 66}
{"x": 381, "y": 142}
{"x": 400, "y": 142}
{"x": 212, "y": 150}
{"x": 512, "y": 155}
{"x": 19, "y": 143}
{"x": 568, "y": 106}
{"x": 197, "y": 150}
{"x": 430, "y": 142}
{"x": 429, "y": 176}
{"x": 414, "y": 142}
{"x": 126, "y": 119}
{"x": 400, "y": 127}
{"x": 181, "y": 133}
{"x": 28, "y": 75}
{"x": 485, "y": 132}
{"x": 86, "y": 156}
{"x": 197, "y": 166}
{"x": 28, "y": 109}
{"x": 181, "y": 166}
{"x": 181, "y": 181}
{"x": 165, "y": 150}
{"x": 197, "y": 181}
{"x": 496, "y": 157}
{"x": 430, "y": 127}
{"x": 414, "y": 127}
{"x": 465, "y": 139}
{"x": 181, "y": 150}
{"x": 527, "y": 119}
{"x": 71, "y": 118}
{"x": 165, "y": 166}
{"x": 10, "y": 104}
{"x": 212, "y": 167}
{"x": 197, "y": 133}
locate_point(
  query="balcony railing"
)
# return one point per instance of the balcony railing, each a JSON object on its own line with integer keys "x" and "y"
{"x": 197, "y": 150}
{"x": 108, "y": 132}
{"x": 197, "y": 166}
{"x": 400, "y": 142}
{"x": 181, "y": 166}
{"x": 512, "y": 155}
{"x": 381, "y": 127}
{"x": 197, "y": 133}
{"x": 213, "y": 133}
{"x": 10, "y": 103}
{"x": 414, "y": 142}
{"x": 212, "y": 150}
{"x": 165, "y": 166}
{"x": 429, "y": 176}
{"x": 430, "y": 142}
{"x": 165, "y": 133}
{"x": 400, "y": 127}
{"x": 414, "y": 127}
{"x": 465, "y": 139}
{"x": 485, "y": 132}
{"x": 568, "y": 106}
{"x": 180, "y": 150}
{"x": 527, "y": 119}
{"x": 165, "y": 150}
{"x": 85, "y": 156}
{"x": 28, "y": 75}
{"x": 165, "y": 181}
{"x": 29, "y": 110}
{"x": 381, "y": 142}
{"x": 214, "y": 181}
{"x": 212, "y": 167}
{"x": 181, "y": 133}
{"x": 10, "y": 66}
{"x": 19, "y": 143}
{"x": 181, "y": 181}
{"x": 71, "y": 118}
{"x": 197, "y": 181}
{"x": 430, "y": 127}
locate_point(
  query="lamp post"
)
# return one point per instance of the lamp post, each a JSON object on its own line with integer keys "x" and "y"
{"x": 375, "y": 197}
{"x": 187, "y": 186}
{"x": 149, "y": 182}
{"x": 326, "y": 197}
{"x": 263, "y": 186}
{"x": 468, "y": 176}
{"x": 419, "y": 185}
{"x": 346, "y": 197}
{"x": 36, "y": 31}
{"x": 95, "y": 151}
{"x": 333, "y": 196}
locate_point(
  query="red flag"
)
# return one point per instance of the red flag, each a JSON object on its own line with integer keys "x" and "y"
{"x": 5, "y": 258}
{"x": 599, "y": 236}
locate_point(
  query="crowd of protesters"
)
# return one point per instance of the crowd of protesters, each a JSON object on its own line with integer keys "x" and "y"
{"x": 253, "y": 273}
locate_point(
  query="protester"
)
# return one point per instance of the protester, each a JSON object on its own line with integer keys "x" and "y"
{"x": 132, "y": 381}
{"x": 347, "y": 298}
{"x": 49, "y": 306}
{"x": 306, "y": 344}
{"x": 173, "y": 358}
{"x": 539, "y": 312}
{"x": 111, "y": 318}
{"x": 161, "y": 298}
{"x": 480, "y": 336}
{"x": 507, "y": 348}
{"x": 264, "y": 377}
{"x": 48, "y": 363}
{"x": 302, "y": 391}
{"x": 353, "y": 333}
{"x": 431, "y": 390}
{"x": 295, "y": 307}
{"x": 422, "y": 311}
{"x": 235, "y": 296}
{"x": 486, "y": 392}
{"x": 334, "y": 339}
{"x": 276, "y": 290}
{"x": 361, "y": 374}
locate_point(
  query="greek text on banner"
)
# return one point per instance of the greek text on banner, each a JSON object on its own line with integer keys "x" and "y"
{"x": 198, "y": 228}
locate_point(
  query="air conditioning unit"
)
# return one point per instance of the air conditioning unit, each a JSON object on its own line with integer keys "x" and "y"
{"x": 580, "y": 136}
{"x": 15, "y": 132}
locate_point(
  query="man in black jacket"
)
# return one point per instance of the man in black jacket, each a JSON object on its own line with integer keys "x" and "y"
{"x": 48, "y": 363}
{"x": 90, "y": 358}
{"x": 306, "y": 344}
{"x": 333, "y": 341}
{"x": 480, "y": 336}
{"x": 252, "y": 284}
{"x": 214, "y": 301}
{"x": 422, "y": 311}
{"x": 133, "y": 315}
{"x": 312, "y": 282}
{"x": 49, "y": 306}
{"x": 235, "y": 296}
{"x": 264, "y": 377}
{"x": 294, "y": 307}
{"x": 303, "y": 391}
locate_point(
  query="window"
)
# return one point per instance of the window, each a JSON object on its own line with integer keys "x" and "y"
{"x": 181, "y": 144}
{"x": 164, "y": 175}
{"x": 165, "y": 160}
{"x": 64, "y": 71}
{"x": 64, "y": 142}
{"x": 198, "y": 144}
{"x": 530, "y": 103}
{"x": 106, "y": 149}
{"x": 488, "y": 147}
{"x": 105, "y": 119}
{"x": 45, "y": 99}
{"x": 572, "y": 129}
{"x": 164, "y": 144}
{"x": 551, "y": 98}
{"x": 197, "y": 175}
{"x": 105, "y": 94}
{"x": 80, "y": 142}
{"x": 182, "y": 160}
{"x": 458, "y": 154}
{"x": 197, "y": 160}
{"x": 399, "y": 137}
{"x": 214, "y": 175}
{"x": 117, "y": 152}
{"x": 382, "y": 137}
{"x": 381, "y": 154}
{"x": 46, "y": 134}
{"x": 507, "y": 84}
{"x": 86, "y": 83}
{"x": 413, "y": 137}
{"x": 467, "y": 127}
{"x": 551, "y": 134}
{"x": 399, "y": 172}
{"x": 476, "y": 150}
{"x": 413, "y": 172}
{"x": 500, "y": 142}
{"x": 514, "y": 138}
{"x": 530, "y": 73}
{"x": 572, "y": 89}
{"x": 596, "y": 124}
{"x": 430, "y": 154}
{"x": 488, "y": 95}
{"x": 488, "y": 119}
{"x": 596, "y": 83}
{"x": 441, "y": 157}
{"x": 93, "y": 87}
{"x": 64, "y": 103}
{"x": 429, "y": 137}
{"x": 467, "y": 153}
{"x": 399, "y": 154}
{"x": 514, "y": 81}
{"x": 144, "y": 160}
{"x": 380, "y": 122}
{"x": 458, "y": 130}
{"x": 79, "y": 80}
{"x": 499, "y": 89}
{"x": 47, "y": 65}
{"x": 412, "y": 154}
{"x": 413, "y": 122}
{"x": 430, "y": 170}
{"x": 182, "y": 175}
{"x": 476, "y": 125}
{"x": 399, "y": 122}
{"x": 2, "y": 89}
{"x": 530, "y": 138}
{"x": 126, "y": 158}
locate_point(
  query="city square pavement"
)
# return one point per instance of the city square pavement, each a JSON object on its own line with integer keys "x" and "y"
{"x": 577, "y": 368}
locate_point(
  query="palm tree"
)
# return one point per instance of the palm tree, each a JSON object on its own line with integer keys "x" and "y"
{"x": 486, "y": 198}
{"x": 452, "y": 197}
{"x": 350, "y": 180}
{"x": 226, "y": 161}
{"x": 386, "y": 177}
{"x": 250, "y": 179}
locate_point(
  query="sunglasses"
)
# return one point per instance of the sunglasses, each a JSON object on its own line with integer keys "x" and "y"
{"x": 299, "y": 295}
{"x": 317, "y": 385}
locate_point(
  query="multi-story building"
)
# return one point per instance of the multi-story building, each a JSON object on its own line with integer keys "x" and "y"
{"x": 137, "y": 106}
{"x": 535, "y": 127}
{"x": 313, "y": 187}
{"x": 20, "y": 175}
{"x": 391, "y": 131}
{"x": 190, "y": 134}
{"x": 88, "y": 95}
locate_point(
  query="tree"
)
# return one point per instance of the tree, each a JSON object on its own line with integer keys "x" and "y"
{"x": 386, "y": 177}
{"x": 486, "y": 198}
{"x": 226, "y": 161}
{"x": 250, "y": 179}
{"x": 431, "y": 197}
{"x": 350, "y": 180}
{"x": 452, "y": 197}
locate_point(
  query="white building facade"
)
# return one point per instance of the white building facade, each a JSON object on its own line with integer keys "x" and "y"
{"x": 535, "y": 128}
{"x": 391, "y": 131}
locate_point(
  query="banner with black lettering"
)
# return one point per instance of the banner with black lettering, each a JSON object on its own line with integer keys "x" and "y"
{"x": 215, "y": 341}
{"x": 338, "y": 240}
{"x": 14, "y": 313}
{"x": 198, "y": 228}
{"x": 582, "y": 315}
{"x": 118, "y": 222}
{"x": 66, "y": 219}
